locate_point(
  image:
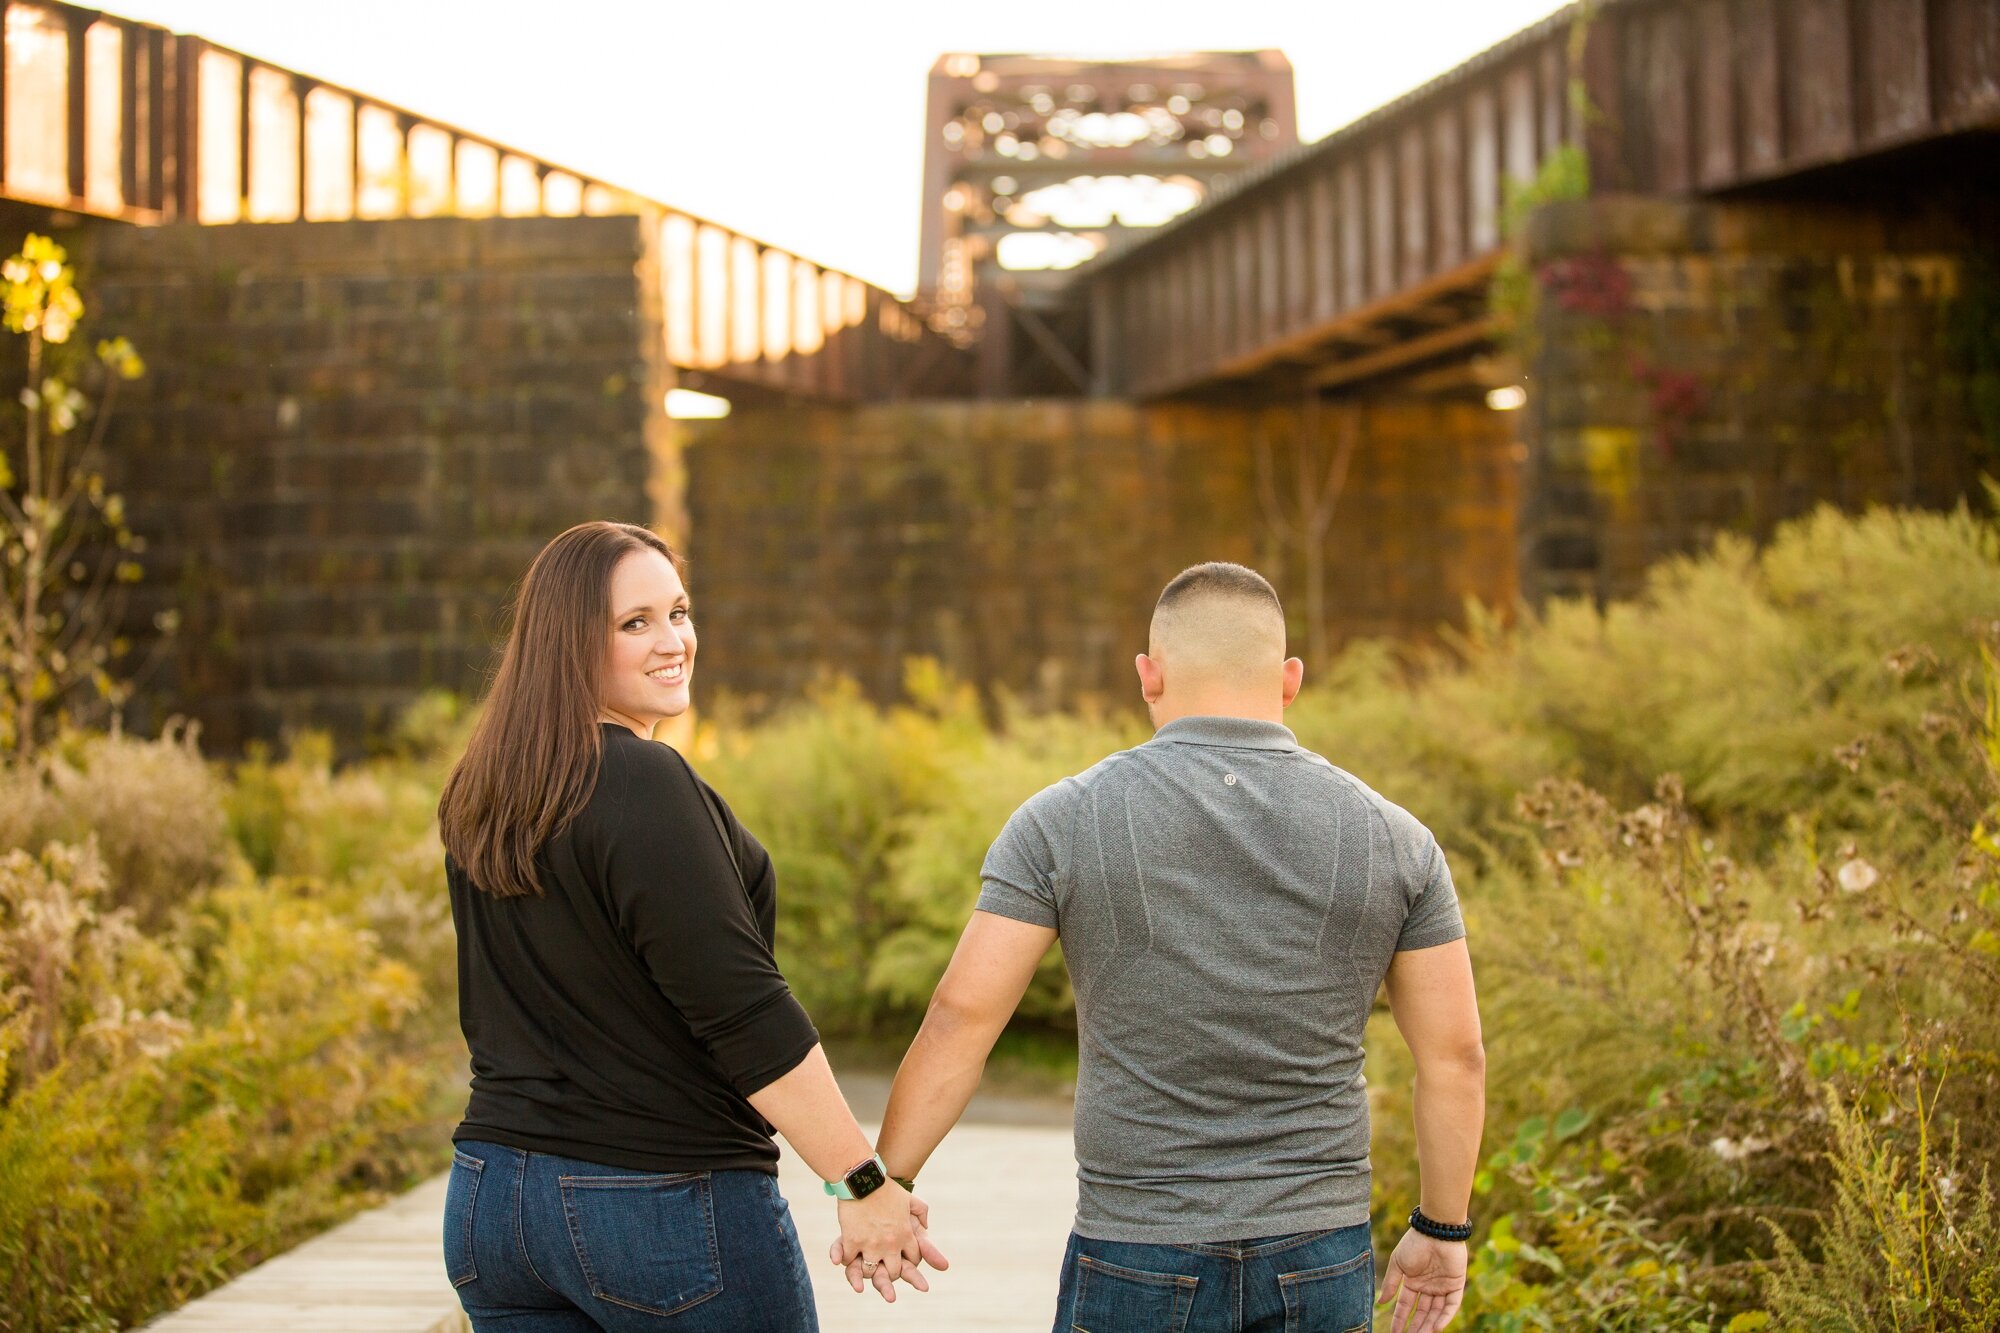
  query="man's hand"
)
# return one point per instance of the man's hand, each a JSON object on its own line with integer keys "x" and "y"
{"x": 1427, "y": 1279}
{"x": 880, "y": 1243}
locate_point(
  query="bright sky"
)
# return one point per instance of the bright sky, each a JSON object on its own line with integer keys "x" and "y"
{"x": 799, "y": 122}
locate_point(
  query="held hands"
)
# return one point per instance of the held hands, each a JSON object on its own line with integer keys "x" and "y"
{"x": 1426, "y": 1278}
{"x": 883, "y": 1238}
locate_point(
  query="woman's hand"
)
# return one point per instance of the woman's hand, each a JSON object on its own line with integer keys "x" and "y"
{"x": 1426, "y": 1277}
{"x": 883, "y": 1238}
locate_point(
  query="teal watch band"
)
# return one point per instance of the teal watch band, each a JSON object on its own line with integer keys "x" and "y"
{"x": 860, "y": 1182}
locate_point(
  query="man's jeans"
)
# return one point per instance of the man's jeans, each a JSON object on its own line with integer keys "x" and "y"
{"x": 1312, "y": 1282}
{"x": 542, "y": 1244}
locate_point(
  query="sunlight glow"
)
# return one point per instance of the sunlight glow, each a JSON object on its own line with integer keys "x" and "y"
{"x": 689, "y": 405}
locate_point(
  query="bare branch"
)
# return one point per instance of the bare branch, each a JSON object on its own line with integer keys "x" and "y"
{"x": 1267, "y": 490}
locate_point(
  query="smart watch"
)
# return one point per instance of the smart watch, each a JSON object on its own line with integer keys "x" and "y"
{"x": 860, "y": 1182}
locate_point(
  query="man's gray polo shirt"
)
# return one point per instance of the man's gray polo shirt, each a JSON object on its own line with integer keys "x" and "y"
{"x": 1228, "y": 904}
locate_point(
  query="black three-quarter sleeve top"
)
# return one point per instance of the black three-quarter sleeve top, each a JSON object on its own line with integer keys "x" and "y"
{"x": 626, "y": 1014}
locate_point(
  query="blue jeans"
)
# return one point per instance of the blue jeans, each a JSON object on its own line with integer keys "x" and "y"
{"x": 1312, "y": 1282}
{"x": 542, "y": 1244}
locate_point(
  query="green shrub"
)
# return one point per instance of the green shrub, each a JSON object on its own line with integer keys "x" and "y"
{"x": 227, "y": 1015}
{"x": 154, "y": 809}
{"x": 199, "y": 1099}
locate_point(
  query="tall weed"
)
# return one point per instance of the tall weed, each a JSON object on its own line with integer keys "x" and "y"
{"x": 154, "y": 809}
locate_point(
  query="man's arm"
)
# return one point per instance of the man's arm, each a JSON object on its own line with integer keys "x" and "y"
{"x": 989, "y": 972}
{"x": 1432, "y": 999}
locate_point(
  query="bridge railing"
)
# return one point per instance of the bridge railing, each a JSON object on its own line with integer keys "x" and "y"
{"x": 114, "y": 118}
{"x": 1395, "y": 218}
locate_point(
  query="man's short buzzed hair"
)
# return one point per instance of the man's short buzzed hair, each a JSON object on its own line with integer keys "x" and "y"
{"x": 1218, "y": 578}
{"x": 1218, "y": 619}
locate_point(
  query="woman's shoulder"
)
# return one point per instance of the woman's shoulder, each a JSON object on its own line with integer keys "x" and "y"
{"x": 635, "y": 768}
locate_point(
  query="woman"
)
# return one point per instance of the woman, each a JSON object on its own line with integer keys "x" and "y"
{"x": 633, "y": 1043}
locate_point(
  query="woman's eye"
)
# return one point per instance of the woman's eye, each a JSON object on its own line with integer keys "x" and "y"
{"x": 682, "y": 612}
{"x": 635, "y": 622}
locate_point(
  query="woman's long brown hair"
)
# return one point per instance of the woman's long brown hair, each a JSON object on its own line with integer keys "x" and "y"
{"x": 534, "y": 753}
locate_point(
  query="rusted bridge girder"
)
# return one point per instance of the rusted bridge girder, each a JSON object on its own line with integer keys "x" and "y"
{"x": 113, "y": 118}
{"x": 1363, "y": 251}
{"x": 1368, "y": 251}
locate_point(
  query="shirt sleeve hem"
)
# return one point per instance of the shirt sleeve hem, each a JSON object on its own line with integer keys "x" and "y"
{"x": 762, "y": 1077}
{"x": 1430, "y": 939}
{"x": 1033, "y": 913}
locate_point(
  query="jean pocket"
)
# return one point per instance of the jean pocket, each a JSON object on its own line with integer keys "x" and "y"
{"x": 1338, "y": 1298}
{"x": 644, "y": 1242}
{"x": 461, "y": 1195}
{"x": 1110, "y": 1299}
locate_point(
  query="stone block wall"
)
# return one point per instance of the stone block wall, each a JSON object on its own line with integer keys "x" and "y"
{"x": 1701, "y": 368}
{"x": 1023, "y": 543}
{"x": 354, "y": 436}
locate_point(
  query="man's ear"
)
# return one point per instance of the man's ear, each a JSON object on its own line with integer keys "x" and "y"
{"x": 1152, "y": 680}
{"x": 1295, "y": 676}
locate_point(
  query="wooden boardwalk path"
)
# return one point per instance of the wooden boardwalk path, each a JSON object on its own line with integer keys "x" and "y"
{"x": 382, "y": 1270}
{"x": 1002, "y": 1190}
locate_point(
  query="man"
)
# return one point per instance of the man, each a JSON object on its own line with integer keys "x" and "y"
{"x": 1229, "y": 905}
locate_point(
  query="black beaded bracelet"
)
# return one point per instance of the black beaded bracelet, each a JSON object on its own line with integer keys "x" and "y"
{"x": 1425, "y": 1226}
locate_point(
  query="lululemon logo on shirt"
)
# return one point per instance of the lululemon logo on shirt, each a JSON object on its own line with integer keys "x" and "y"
{"x": 1229, "y": 779}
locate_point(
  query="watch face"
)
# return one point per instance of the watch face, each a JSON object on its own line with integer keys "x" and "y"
{"x": 865, "y": 1179}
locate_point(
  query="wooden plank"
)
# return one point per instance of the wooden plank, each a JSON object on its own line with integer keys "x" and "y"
{"x": 1382, "y": 238}
{"x": 1818, "y": 81}
{"x": 1517, "y": 122}
{"x": 77, "y": 112}
{"x": 1138, "y": 301}
{"x": 1603, "y": 76}
{"x": 1271, "y": 275}
{"x": 1296, "y": 206}
{"x": 1666, "y": 90}
{"x": 1196, "y": 339}
{"x": 1323, "y": 244}
{"x": 1107, "y": 342}
{"x": 1759, "y": 84}
{"x": 1965, "y": 54}
{"x": 1413, "y": 222}
{"x": 1447, "y": 174}
{"x": 1219, "y": 269}
{"x": 1353, "y": 236}
{"x": 245, "y": 163}
{"x": 1482, "y": 170}
{"x": 381, "y": 1270}
{"x": 1201, "y": 308}
{"x": 130, "y": 116}
{"x": 1895, "y": 82}
{"x": 185, "y": 203}
{"x": 1714, "y": 94}
{"x": 1244, "y": 326}
{"x": 157, "y": 81}
{"x": 1552, "y": 80}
